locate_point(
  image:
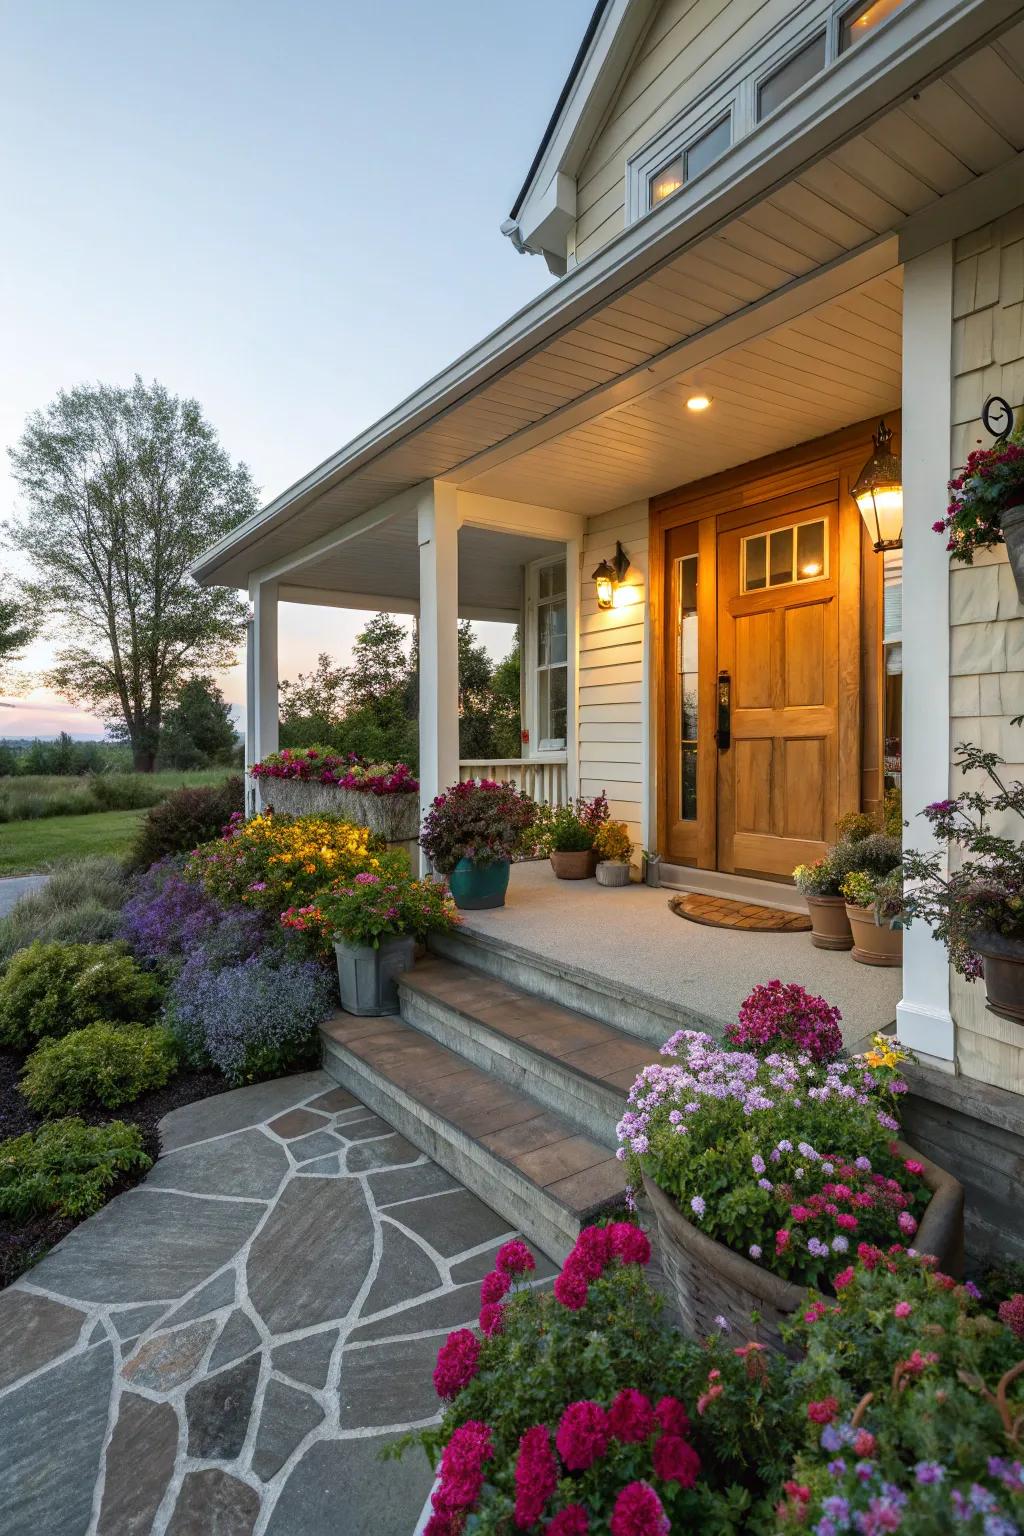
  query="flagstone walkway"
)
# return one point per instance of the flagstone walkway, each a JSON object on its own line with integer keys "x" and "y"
{"x": 224, "y": 1350}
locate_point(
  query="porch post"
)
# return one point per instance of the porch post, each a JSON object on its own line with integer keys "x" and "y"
{"x": 250, "y": 715}
{"x": 438, "y": 532}
{"x": 573, "y": 608}
{"x": 923, "y": 1016}
{"x": 264, "y": 633}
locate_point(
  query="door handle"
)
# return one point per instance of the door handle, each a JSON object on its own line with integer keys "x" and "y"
{"x": 723, "y": 735}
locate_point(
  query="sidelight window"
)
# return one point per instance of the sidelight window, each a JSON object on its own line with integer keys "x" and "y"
{"x": 688, "y": 675}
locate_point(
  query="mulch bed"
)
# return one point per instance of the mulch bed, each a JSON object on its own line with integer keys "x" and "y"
{"x": 25, "y": 1244}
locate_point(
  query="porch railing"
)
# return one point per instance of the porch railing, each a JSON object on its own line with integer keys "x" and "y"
{"x": 546, "y": 779}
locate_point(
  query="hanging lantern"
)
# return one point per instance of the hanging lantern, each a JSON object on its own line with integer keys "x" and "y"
{"x": 609, "y": 575}
{"x": 878, "y": 492}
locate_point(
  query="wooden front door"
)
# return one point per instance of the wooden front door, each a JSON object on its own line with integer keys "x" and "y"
{"x": 778, "y": 689}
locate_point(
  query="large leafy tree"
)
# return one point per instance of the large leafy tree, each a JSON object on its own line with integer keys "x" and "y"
{"x": 18, "y": 626}
{"x": 198, "y": 730}
{"x": 123, "y": 489}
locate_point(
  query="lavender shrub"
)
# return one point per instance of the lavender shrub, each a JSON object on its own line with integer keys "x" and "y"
{"x": 167, "y": 916}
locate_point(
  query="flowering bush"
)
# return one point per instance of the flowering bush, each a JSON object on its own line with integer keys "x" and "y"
{"x": 479, "y": 820}
{"x": 573, "y": 827}
{"x": 250, "y": 1019}
{"x": 860, "y": 850}
{"x": 783, "y": 1015}
{"x": 785, "y": 1160}
{"x": 991, "y": 481}
{"x": 166, "y": 915}
{"x": 884, "y": 893}
{"x": 373, "y": 906}
{"x": 612, "y": 842}
{"x": 321, "y": 765}
{"x": 915, "y": 1408}
{"x": 572, "y": 1413}
{"x": 985, "y": 892}
{"x": 272, "y": 862}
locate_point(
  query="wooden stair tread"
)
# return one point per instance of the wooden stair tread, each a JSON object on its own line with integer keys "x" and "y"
{"x": 543, "y": 1147}
{"x": 593, "y": 1050}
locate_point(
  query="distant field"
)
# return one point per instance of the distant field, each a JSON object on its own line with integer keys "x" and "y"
{"x": 32, "y": 797}
{"x": 28, "y": 846}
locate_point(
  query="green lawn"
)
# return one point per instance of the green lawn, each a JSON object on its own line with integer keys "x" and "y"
{"x": 28, "y": 846}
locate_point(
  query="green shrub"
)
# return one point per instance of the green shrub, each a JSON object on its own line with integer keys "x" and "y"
{"x": 79, "y": 904}
{"x": 66, "y": 1167}
{"x": 126, "y": 792}
{"x": 108, "y": 1064}
{"x": 51, "y": 989}
{"x": 185, "y": 819}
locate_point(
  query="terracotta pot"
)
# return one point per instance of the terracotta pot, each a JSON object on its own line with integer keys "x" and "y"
{"x": 574, "y": 866}
{"x": 1012, "y": 521}
{"x": 1004, "y": 974}
{"x": 830, "y": 926}
{"x": 874, "y": 943}
{"x": 708, "y": 1280}
{"x": 612, "y": 872}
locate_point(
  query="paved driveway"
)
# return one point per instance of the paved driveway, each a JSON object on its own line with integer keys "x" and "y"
{"x": 224, "y": 1350}
{"x": 13, "y": 887}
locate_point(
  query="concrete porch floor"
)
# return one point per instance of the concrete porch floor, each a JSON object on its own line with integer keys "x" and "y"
{"x": 630, "y": 936}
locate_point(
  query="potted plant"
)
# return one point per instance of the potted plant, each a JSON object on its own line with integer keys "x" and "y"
{"x": 614, "y": 851}
{"x": 566, "y": 834}
{"x": 471, "y": 834}
{"x": 977, "y": 909}
{"x": 820, "y": 884}
{"x": 986, "y": 505}
{"x": 375, "y": 920}
{"x": 874, "y": 906}
{"x": 766, "y": 1172}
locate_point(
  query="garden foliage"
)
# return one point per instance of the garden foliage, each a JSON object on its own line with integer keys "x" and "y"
{"x": 321, "y": 765}
{"x": 186, "y": 818}
{"x": 79, "y": 904}
{"x": 105, "y": 1064}
{"x": 272, "y": 862}
{"x": 67, "y": 1167}
{"x": 989, "y": 484}
{"x": 479, "y": 819}
{"x": 52, "y": 989}
{"x": 376, "y": 905}
{"x": 571, "y": 828}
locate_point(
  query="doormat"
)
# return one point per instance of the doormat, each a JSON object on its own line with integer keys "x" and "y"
{"x": 721, "y": 912}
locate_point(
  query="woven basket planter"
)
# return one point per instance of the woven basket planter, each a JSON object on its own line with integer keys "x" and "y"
{"x": 395, "y": 818}
{"x": 708, "y": 1280}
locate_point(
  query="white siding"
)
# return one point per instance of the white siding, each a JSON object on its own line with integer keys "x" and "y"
{"x": 611, "y": 672}
{"x": 987, "y": 640}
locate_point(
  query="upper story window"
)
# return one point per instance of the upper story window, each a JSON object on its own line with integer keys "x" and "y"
{"x": 551, "y": 663}
{"x": 697, "y": 155}
{"x": 861, "y": 21}
{"x": 786, "y": 78}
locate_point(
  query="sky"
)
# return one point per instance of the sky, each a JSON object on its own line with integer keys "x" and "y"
{"x": 289, "y": 211}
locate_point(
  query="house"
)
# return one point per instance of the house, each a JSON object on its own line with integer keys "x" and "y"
{"x": 770, "y": 227}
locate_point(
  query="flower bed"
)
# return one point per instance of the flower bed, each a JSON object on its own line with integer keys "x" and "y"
{"x": 381, "y": 797}
{"x": 271, "y": 862}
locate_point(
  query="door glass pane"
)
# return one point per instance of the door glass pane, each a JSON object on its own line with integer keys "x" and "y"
{"x": 810, "y": 551}
{"x": 687, "y": 630}
{"x": 790, "y": 76}
{"x": 781, "y": 557}
{"x": 754, "y": 557}
{"x": 706, "y": 150}
{"x": 551, "y": 634}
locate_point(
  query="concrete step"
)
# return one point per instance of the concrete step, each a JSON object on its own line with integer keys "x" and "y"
{"x": 577, "y": 1066}
{"x": 529, "y": 1164}
{"x": 614, "y": 1003}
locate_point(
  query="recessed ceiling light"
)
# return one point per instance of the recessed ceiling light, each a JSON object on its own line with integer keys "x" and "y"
{"x": 698, "y": 402}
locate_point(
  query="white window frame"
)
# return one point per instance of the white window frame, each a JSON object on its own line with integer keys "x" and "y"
{"x": 531, "y": 671}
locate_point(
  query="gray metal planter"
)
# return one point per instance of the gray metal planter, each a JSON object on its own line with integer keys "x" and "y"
{"x": 1013, "y": 532}
{"x": 367, "y": 977}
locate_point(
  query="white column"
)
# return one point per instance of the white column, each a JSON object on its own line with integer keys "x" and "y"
{"x": 250, "y": 715}
{"x": 573, "y": 563}
{"x": 438, "y": 524}
{"x": 923, "y": 1016}
{"x": 263, "y": 595}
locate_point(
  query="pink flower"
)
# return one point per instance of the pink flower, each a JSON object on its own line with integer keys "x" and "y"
{"x": 823, "y": 1412}
{"x": 514, "y": 1258}
{"x": 571, "y": 1288}
{"x": 864, "y": 1444}
{"x": 912, "y": 1166}
{"x": 902, "y": 1309}
{"x": 639, "y": 1512}
{"x": 672, "y": 1416}
{"x": 492, "y": 1318}
{"x": 1011, "y": 1314}
{"x": 781, "y": 1240}
{"x": 462, "y": 1467}
{"x": 843, "y": 1279}
{"x": 570, "y": 1521}
{"x": 592, "y": 1252}
{"x": 631, "y": 1417}
{"x": 707, "y": 1398}
{"x": 675, "y": 1461}
{"x": 536, "y": 1476}
{"x": 629, "y": 1244}
{"x": 494, "y": 1286}
{"x": 906, "y": 1224}
{"x": 456, "y": 1362}
{"x": 850, "y": 1223}
{"x": 582, "y": 1436}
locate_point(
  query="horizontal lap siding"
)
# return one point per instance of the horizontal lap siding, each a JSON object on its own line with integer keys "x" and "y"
{"x": 611, "y": 671}
{"x": 688, "y": 46}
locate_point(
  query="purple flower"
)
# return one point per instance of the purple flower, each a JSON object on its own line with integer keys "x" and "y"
{"x": 697, "y": 1205}
{"x": 755, "y": 1251}
{"x": 757, "y": 1163}
{"x": 929, "y": 1472}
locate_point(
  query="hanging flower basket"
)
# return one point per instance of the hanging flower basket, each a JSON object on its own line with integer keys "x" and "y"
{"x": 986, "y": 505}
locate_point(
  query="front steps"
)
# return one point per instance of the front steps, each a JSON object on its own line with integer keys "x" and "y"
{"x": 515, "y": 1096}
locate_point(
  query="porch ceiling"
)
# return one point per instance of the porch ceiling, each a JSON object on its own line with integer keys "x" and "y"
{"x": 740, "y": 251}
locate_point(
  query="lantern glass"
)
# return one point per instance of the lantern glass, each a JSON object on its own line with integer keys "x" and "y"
{"x": 605, "y": 591}
{"x": 878, "y": 493}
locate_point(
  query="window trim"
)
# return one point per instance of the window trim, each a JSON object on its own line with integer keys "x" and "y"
{"x": 682, "y": 152}
{"x": 531, "y": 672}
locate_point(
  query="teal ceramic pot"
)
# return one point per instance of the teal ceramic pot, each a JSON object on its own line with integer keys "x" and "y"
{"x": 475, "y": 887}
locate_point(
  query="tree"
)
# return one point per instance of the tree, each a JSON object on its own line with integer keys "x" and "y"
{"x": 198, "y": 731}
{"x": 124, "y": 489}
{"x": 18, "y": 627}
{"x": 312, "y": 708}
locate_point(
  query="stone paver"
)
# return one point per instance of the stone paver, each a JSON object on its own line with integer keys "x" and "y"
{"x": 224, "y": 1350}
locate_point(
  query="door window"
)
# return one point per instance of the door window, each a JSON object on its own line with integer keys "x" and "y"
{"x": 687, "y": 662}
{"x": 785, "y": 556}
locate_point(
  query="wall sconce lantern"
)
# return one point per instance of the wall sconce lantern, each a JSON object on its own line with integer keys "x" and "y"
{"x": 609, "y": 576}
{"x": 878, "y": 492}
